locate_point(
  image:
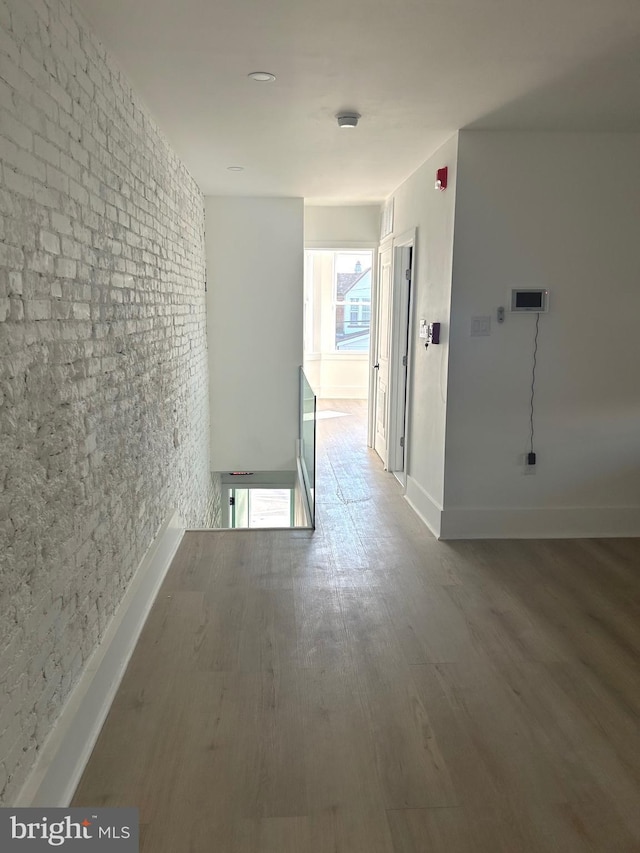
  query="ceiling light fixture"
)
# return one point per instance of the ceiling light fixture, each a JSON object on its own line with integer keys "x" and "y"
{"x": 235, "y": 168}
{"x": 262, "y": 76}
{"x": 348, "y": 119}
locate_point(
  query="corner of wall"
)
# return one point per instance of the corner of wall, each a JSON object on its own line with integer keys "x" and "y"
{"x": 425, "y": 507}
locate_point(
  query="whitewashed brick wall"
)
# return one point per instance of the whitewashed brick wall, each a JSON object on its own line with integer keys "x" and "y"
{"x": 103, "y": 363}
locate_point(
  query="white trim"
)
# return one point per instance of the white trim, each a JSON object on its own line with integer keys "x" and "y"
{"x": 284, "y": 479}
{"x": 401, "y": 323}
{"x": 398, "y": 293}
{"x": 371, "y": 386}
{"x": 338, "y": 245}
{"x": 534, "y": 523}
{"x": 401, "y": 477}
{"x": 386, "y": 247}
{"x": 538, "y": 523}
{"x": 62, "y": 760}
{"x": 386, "y": 218}
{"x": 407, "y": 238}
{"x": 425, "y": 507}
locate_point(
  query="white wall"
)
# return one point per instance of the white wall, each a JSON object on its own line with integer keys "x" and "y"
{"x": 338, "y": 376}
{"x": 558, "y": 211}
{"x": 254, "y": 303}
{"x": 417, "y": 204}
{"x": 334, "y": 227}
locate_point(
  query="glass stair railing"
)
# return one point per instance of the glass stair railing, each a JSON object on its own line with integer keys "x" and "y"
{"x": 272, "y": 499}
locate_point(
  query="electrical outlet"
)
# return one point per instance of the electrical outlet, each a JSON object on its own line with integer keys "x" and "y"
{"x": 528, "y": 469}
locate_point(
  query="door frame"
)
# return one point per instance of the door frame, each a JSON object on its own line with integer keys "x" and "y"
{"x": 402, "y": 302}
{"x": 385, "y": 244}
{"x": 401, "y": 345}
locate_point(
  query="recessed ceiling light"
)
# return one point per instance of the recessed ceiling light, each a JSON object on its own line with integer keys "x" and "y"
{"x": 235, "y": 168}
{"x": 262, "y": 76}
{"x": 348, "y": 119}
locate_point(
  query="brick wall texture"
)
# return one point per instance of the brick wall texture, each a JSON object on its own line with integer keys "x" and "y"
{"x": 103, "y": 362}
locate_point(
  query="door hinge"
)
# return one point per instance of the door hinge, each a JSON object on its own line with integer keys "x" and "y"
{"x": 407, "y": 274}
{"x": 404, "y": 361}
{"x": 402, "y": 442}
{"x": 232, "y": 501}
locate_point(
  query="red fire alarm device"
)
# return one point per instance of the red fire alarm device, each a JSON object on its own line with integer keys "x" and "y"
{"x": 441, "y": 178}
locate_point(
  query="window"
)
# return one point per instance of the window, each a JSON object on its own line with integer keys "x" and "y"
{"x": 352, "y": 289}
{"x": 262, "y": 508}
{"x": 337, "y": 303}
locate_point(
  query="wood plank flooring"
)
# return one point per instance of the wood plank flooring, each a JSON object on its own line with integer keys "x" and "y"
{"x": 367, "y": 689}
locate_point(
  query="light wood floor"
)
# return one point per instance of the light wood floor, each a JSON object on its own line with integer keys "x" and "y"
{"x": 366, "y": 689}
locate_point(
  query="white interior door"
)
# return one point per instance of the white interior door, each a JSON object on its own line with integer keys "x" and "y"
{"x": 402, "y": 268}
{"x": 382, "y": 354}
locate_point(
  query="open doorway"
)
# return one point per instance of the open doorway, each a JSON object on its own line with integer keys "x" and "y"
{"x": 337, "y": 322}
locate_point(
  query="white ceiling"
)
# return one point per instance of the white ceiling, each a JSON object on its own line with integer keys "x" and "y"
{"x": 417, "y": 70}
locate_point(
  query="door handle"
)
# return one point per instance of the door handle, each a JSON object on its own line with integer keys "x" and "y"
{"x": 376, "y": 366}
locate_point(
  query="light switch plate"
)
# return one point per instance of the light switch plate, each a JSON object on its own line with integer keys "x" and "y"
{"x": 480, "y": 327}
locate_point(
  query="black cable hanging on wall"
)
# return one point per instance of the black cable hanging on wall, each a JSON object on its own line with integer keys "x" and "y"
{"x": 531, "y": 459}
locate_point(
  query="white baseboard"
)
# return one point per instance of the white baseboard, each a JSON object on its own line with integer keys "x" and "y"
{"x": 530, "y": 523}
{"x": 558, "y": 523}
{"x": 424, "y": 506}
{"x": 55, "y": 776}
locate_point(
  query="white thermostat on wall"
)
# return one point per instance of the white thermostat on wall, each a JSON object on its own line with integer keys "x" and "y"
{"x": 529, "y": 299}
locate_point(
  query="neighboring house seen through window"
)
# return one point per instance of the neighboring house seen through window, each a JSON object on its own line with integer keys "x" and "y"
{"x": 352, "y": 271}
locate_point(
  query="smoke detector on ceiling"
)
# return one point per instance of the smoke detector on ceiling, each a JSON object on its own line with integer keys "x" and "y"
{"x": 348, "y": 119}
